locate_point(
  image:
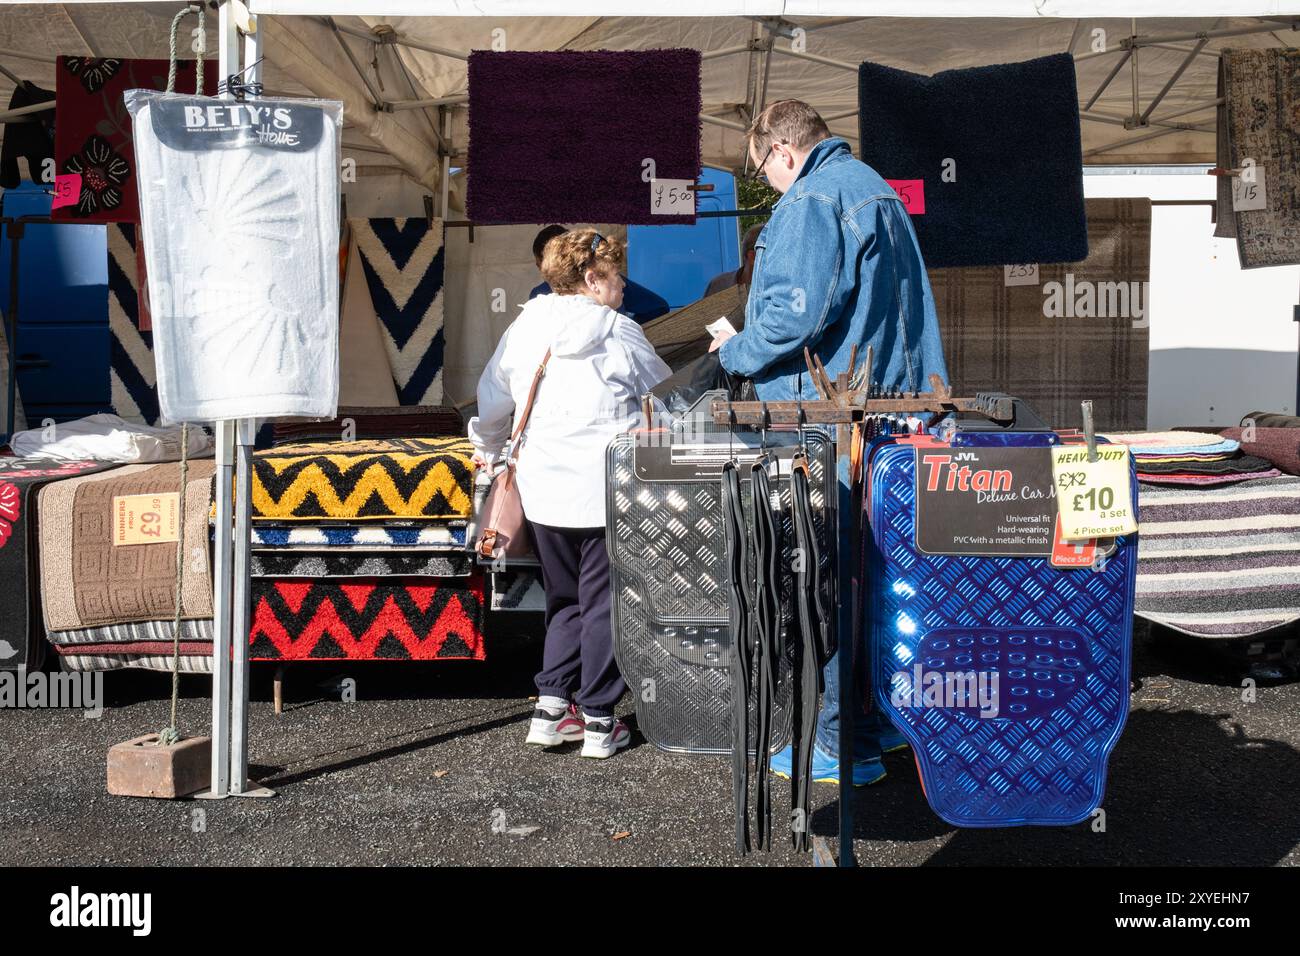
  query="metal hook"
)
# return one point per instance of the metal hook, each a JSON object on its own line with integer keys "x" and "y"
{"x": 803, "y": 421}
{"x": 731, "y": 433}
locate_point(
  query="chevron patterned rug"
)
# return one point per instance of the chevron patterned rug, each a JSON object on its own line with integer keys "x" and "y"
{"x": 359, "y": 536}
{"x": 403, "y": 263}
{"x": 133, "y": 382}
{"x": 367, "y": 619}
{"x": 379, "y": 480}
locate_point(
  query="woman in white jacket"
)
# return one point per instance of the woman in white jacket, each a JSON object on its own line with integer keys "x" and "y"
{"x": 600, "y": 366}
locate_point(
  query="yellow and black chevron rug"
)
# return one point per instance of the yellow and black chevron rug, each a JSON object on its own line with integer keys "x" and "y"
{"x": 376, "y": 479}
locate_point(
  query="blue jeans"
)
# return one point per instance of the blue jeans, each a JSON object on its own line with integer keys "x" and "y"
{"x": 866, "y": 725}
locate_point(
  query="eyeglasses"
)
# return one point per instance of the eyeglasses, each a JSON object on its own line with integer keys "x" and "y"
{"x": 758, "y": 175}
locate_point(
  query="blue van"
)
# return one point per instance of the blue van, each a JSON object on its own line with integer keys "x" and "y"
{"x": 677, "y": 262}
{"x": 61, "y": 345}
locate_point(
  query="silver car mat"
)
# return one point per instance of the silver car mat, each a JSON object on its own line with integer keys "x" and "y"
{"x": 668, "y": 574}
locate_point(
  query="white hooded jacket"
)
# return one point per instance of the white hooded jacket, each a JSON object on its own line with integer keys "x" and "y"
{"x": 601, "y": 364}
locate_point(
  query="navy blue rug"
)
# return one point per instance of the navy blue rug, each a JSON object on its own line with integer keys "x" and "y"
{"x": 562, "y": 136}
{"x": 1012, "y": 134}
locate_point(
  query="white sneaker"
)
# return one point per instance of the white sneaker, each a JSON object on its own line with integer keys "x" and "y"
{"x": 552, "y": 728}
{"x": 604, "y": 736}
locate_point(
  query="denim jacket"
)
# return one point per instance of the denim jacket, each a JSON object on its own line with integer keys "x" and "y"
{"x": 837, "y": 265}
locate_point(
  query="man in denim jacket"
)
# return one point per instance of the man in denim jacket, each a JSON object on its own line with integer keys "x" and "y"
{"x": 837, "y": 265}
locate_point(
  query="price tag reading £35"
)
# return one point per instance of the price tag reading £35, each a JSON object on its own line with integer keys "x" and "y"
{"x": 1024, "y": 274}
{"x": 146, "y": 519}
{"x": 1094, "y": 498}
{"x": 671, "y": 197}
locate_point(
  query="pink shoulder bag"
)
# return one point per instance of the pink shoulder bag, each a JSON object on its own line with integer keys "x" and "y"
{"x": 505, "y": 530}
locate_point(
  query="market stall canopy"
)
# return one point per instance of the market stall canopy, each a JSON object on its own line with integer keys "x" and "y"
{"x": 401, "y": 75}
{"x": 788, "y": 8}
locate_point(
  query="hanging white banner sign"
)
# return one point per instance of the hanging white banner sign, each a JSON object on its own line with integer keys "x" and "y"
{"x": 240, "y": 214}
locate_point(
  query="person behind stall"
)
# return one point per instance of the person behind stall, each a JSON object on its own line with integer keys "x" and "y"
{"x": 744, "y": 275}
{"x": 837, "y": 266}
{"x": 600, "y": 364}
{"x": 639, "y": 303}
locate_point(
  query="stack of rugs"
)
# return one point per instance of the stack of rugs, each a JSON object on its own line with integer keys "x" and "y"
{"x": 1192, "y": 459}
{"x": 22, "y": 636}
{"x": 1219, "y": 533}
{"x": 110, "y": 605}
{"x": 359, "y": 545}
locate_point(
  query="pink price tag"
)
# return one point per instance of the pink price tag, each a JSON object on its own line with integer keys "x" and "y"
{"x": 67, "y": 190}
{"x": 912, "y": 192}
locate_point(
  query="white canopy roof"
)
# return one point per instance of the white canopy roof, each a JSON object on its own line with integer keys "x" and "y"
{"x": 786, "y": 8}
{"x": 387, "y": 64}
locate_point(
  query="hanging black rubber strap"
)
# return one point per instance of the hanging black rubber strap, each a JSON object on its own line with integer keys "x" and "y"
{"x": 738, "y": 614}
{"x": 812, "y": 626}
{"x": 766, "y": 613}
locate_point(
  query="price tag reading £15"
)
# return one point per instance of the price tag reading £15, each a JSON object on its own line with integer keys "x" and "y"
{"x": 146, "y": 519}
{"x": 1249, "y": 191}
{"x": 671, "y": 197}
{"x": 1094, "y": 498}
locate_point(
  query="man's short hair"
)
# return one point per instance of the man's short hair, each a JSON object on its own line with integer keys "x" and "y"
{"x": 545, "y": 236}
{"x": 786, "y": 121}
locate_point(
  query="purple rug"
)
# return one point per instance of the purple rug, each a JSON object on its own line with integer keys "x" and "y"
{"x": 562, "y": 136}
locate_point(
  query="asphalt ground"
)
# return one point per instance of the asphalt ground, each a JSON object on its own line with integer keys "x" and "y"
{"x": 428, "y": 766}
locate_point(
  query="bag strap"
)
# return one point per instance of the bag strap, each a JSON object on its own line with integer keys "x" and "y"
{"x": 528, "y": 405}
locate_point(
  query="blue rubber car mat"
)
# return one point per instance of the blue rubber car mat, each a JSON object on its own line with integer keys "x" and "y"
{"x": 1033, "y": 747}
{"x": 667, "y": 573}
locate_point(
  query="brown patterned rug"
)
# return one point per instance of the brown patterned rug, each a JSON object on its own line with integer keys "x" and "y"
{"x": 88, "y": 581}
{"x": 1261, "y": 115}
{"x": 1080, "y": 333}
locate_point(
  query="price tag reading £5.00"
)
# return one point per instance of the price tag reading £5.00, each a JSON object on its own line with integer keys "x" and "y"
{"x": 1094, "y": 498}
{"x": 672, "y": 197}
{"x": 146, "y": 519}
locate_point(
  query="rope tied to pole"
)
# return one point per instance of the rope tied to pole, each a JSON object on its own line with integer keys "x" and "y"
{"x": 194, "y": 8}
{"x": 170, "y": 734}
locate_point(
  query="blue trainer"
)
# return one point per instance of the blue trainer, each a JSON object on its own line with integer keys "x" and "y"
{"x": 891, "y": 740}
{"x": 826, "y": 769}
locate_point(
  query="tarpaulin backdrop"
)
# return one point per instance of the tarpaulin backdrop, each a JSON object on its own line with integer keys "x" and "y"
{"x": 1002, "y": 338}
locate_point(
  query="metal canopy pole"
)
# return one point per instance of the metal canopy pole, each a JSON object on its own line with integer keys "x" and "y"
{"x": 222, "y": 559}
{"x": 245, "y": 435}
{"x": 230, "y": 595}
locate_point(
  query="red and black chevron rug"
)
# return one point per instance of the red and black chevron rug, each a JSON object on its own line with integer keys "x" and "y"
{"x": 367, "y": 619}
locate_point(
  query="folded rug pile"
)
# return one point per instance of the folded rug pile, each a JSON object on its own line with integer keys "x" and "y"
{"x": 22, "y": 642}
{"x": 1279, "y": 446}
{"x": 370, "y": 480}
{"x": 108, "y": 601}
{"x": 362, "y": 422}
{"x": 1191, "y": 459}
{"x": 360, "y": 546}
{"x": 1220, "y": 562}
{"x": 366, "y": 619}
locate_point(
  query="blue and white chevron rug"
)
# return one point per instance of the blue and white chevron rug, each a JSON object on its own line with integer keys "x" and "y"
{"x": 133, "y": 381}
{"x": 403, "y": 261}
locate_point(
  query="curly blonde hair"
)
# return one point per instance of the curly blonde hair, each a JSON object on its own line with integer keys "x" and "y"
{"x": 567, "y": 257}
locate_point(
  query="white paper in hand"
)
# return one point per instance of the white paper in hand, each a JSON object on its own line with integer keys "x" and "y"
{"x": 718, "y": 326}
{"x": 240, "y": 214}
